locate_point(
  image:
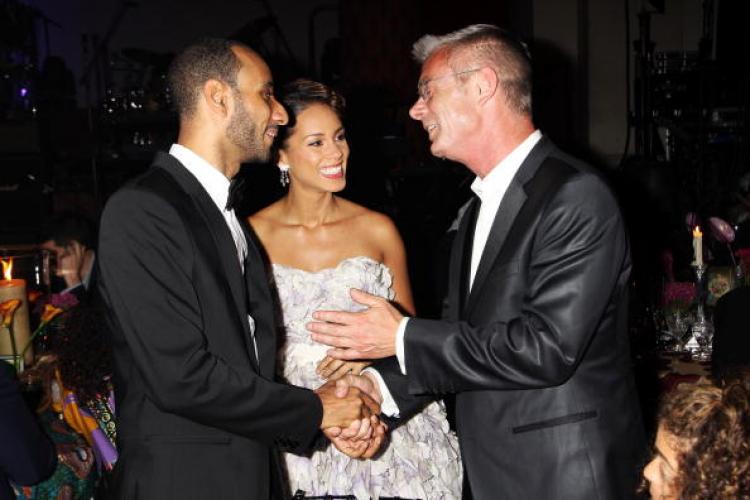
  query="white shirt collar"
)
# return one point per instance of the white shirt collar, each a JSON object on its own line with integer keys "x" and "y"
{"x": 497, "y": 181}
{"x": 213, "y": 181}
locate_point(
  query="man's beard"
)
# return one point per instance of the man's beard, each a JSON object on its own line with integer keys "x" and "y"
{"x": 243, "y": 133}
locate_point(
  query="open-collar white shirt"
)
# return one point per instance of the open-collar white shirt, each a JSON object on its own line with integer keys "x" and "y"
{"x": 491, "y": 190}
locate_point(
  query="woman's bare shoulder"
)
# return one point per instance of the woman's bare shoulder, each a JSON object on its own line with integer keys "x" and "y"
{"x": 375, "y": 223}
{"x": 266, "y": 219}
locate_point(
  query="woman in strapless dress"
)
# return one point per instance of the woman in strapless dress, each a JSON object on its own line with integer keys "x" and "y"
{"x": 320, "y": 246}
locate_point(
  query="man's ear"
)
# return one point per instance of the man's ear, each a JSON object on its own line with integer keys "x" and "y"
{"x": 488, "y": 84}
{"x": 215, "y": 95}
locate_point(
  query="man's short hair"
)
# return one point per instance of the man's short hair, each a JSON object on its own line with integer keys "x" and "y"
{"x": 203, "y": 60}
{"x": 68, "y": 227}
{"x": 486, "y": 45}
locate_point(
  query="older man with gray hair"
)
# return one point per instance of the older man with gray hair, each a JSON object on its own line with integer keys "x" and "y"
{"x": 533, "y": 339}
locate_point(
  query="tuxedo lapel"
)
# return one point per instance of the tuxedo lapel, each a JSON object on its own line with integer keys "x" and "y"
{"x": 260, "y": 302}
{"x": 512, "y": 203}
{"x": 222, "y": 237}
{"x": 506, "y": 214}
{"x": 460, "y": 260}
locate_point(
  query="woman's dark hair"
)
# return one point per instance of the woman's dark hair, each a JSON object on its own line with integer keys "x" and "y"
{"x": 715, "y": 425}
{"x": 78, "y": 339}
{"x": 298, "y": 95}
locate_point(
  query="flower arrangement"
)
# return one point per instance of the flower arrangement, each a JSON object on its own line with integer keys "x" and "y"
{"x": 8, "y": 310}
{"x": 678, "y": 295}
{"x": 723, "y": 233}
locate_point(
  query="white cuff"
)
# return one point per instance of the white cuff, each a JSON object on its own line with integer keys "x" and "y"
{"x": 400, "y": 344}
{"x": 388, "y": 406}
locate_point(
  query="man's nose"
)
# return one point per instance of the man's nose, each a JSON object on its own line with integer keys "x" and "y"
{"x": 279, "y": 114}
{"x": 417, "y": 109}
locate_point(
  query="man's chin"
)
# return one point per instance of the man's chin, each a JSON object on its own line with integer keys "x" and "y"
{"x": 437, "y": 151}
{"x": 257, "y": 156}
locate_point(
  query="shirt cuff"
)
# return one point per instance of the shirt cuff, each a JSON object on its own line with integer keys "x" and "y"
{"x": 400, "y": 344}
{"x": 72, "y": 287}
{"x": 388, "y": 406}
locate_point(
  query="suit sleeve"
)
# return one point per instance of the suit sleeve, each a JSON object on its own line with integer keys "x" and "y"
{"x": 146, "y": 257}
{"x": 398, "y": 385}
{"x": 578, "y": 262}
{"x": 27, "y": 456}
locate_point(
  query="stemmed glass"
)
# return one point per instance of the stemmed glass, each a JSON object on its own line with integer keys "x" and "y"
{"x": 702, "y": 329}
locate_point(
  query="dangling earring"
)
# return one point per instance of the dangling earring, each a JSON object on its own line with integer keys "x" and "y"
{"x": 284, "y": 174}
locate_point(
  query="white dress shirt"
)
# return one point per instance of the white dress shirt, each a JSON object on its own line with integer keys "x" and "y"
{"x": 490, "y": 190}
{"x": 217, "y": 187}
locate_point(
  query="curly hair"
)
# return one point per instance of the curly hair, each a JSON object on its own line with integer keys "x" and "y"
{"x": 83, "y": 352}
{"x": 715, "y": 425}
{"x": 300, "y": 94}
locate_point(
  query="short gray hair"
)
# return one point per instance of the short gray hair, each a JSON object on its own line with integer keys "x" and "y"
{"x": 486, "y": 45}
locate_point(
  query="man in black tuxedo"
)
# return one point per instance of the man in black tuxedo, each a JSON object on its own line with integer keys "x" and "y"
{"x": 533, "y": 340}
{"x": 199, "y": 414}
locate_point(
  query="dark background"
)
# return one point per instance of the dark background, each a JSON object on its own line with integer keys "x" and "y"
{"x": 654, "y": 93}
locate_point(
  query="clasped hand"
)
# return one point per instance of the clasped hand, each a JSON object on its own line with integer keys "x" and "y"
{"x": 350, "y": 416}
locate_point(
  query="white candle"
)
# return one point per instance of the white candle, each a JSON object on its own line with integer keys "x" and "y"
{"x": 16, "y": 289}
{"x": 697, "y": 247}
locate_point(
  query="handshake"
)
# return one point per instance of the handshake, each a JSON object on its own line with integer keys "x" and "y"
{"x": 351, "y": 406}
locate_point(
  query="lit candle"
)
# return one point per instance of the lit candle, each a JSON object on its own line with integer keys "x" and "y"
{"x": 697, "y": 247}
{"x": 15, "y": 289}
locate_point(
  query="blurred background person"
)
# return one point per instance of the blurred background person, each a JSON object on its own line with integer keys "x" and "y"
{"x": 702, "y": 448}
{"x": 71, "y": 239}
{"x": 77, "y": 406}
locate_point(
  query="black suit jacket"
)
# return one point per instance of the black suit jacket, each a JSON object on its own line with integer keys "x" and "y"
{"x": 538, "y": 352}
{"x": 198, "y": 415}
{"x": 26, "y": 455}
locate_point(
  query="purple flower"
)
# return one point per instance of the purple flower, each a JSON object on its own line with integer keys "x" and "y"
{"x": 63, "y": 300}
{"x": 721, "y": 230}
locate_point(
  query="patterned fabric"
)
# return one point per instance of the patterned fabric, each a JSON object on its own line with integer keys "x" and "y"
{"x": 75, "y": 476}
{"x": 93, "y": 420}
{"x": 422, "y": 458}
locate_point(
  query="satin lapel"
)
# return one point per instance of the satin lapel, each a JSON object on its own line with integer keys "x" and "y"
{"x": 457, "y": 285}
{"x": 260, "y": 302}
{"x": 220, "y": 233}
{"x": 468, "y": 225}
{"x": 506, "y": 214}
{"x": 511, "y": 204}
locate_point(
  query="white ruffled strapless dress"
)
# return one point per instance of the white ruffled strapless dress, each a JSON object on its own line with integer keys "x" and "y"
{"x": 421, "y": 459}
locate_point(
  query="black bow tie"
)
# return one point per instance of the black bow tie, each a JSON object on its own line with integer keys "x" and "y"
{"x": 236, "y": 187}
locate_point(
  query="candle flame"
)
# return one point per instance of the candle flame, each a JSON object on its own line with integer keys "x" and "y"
{"x": 697, "y": 232}
{"x": 7, "y": 268}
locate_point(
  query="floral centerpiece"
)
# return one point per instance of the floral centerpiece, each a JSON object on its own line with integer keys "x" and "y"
{"x": 48, "y": 314}
{"x": 8, "y": 310}
{"x": 675, "y": 314}
{"x": 678, "y": 295}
